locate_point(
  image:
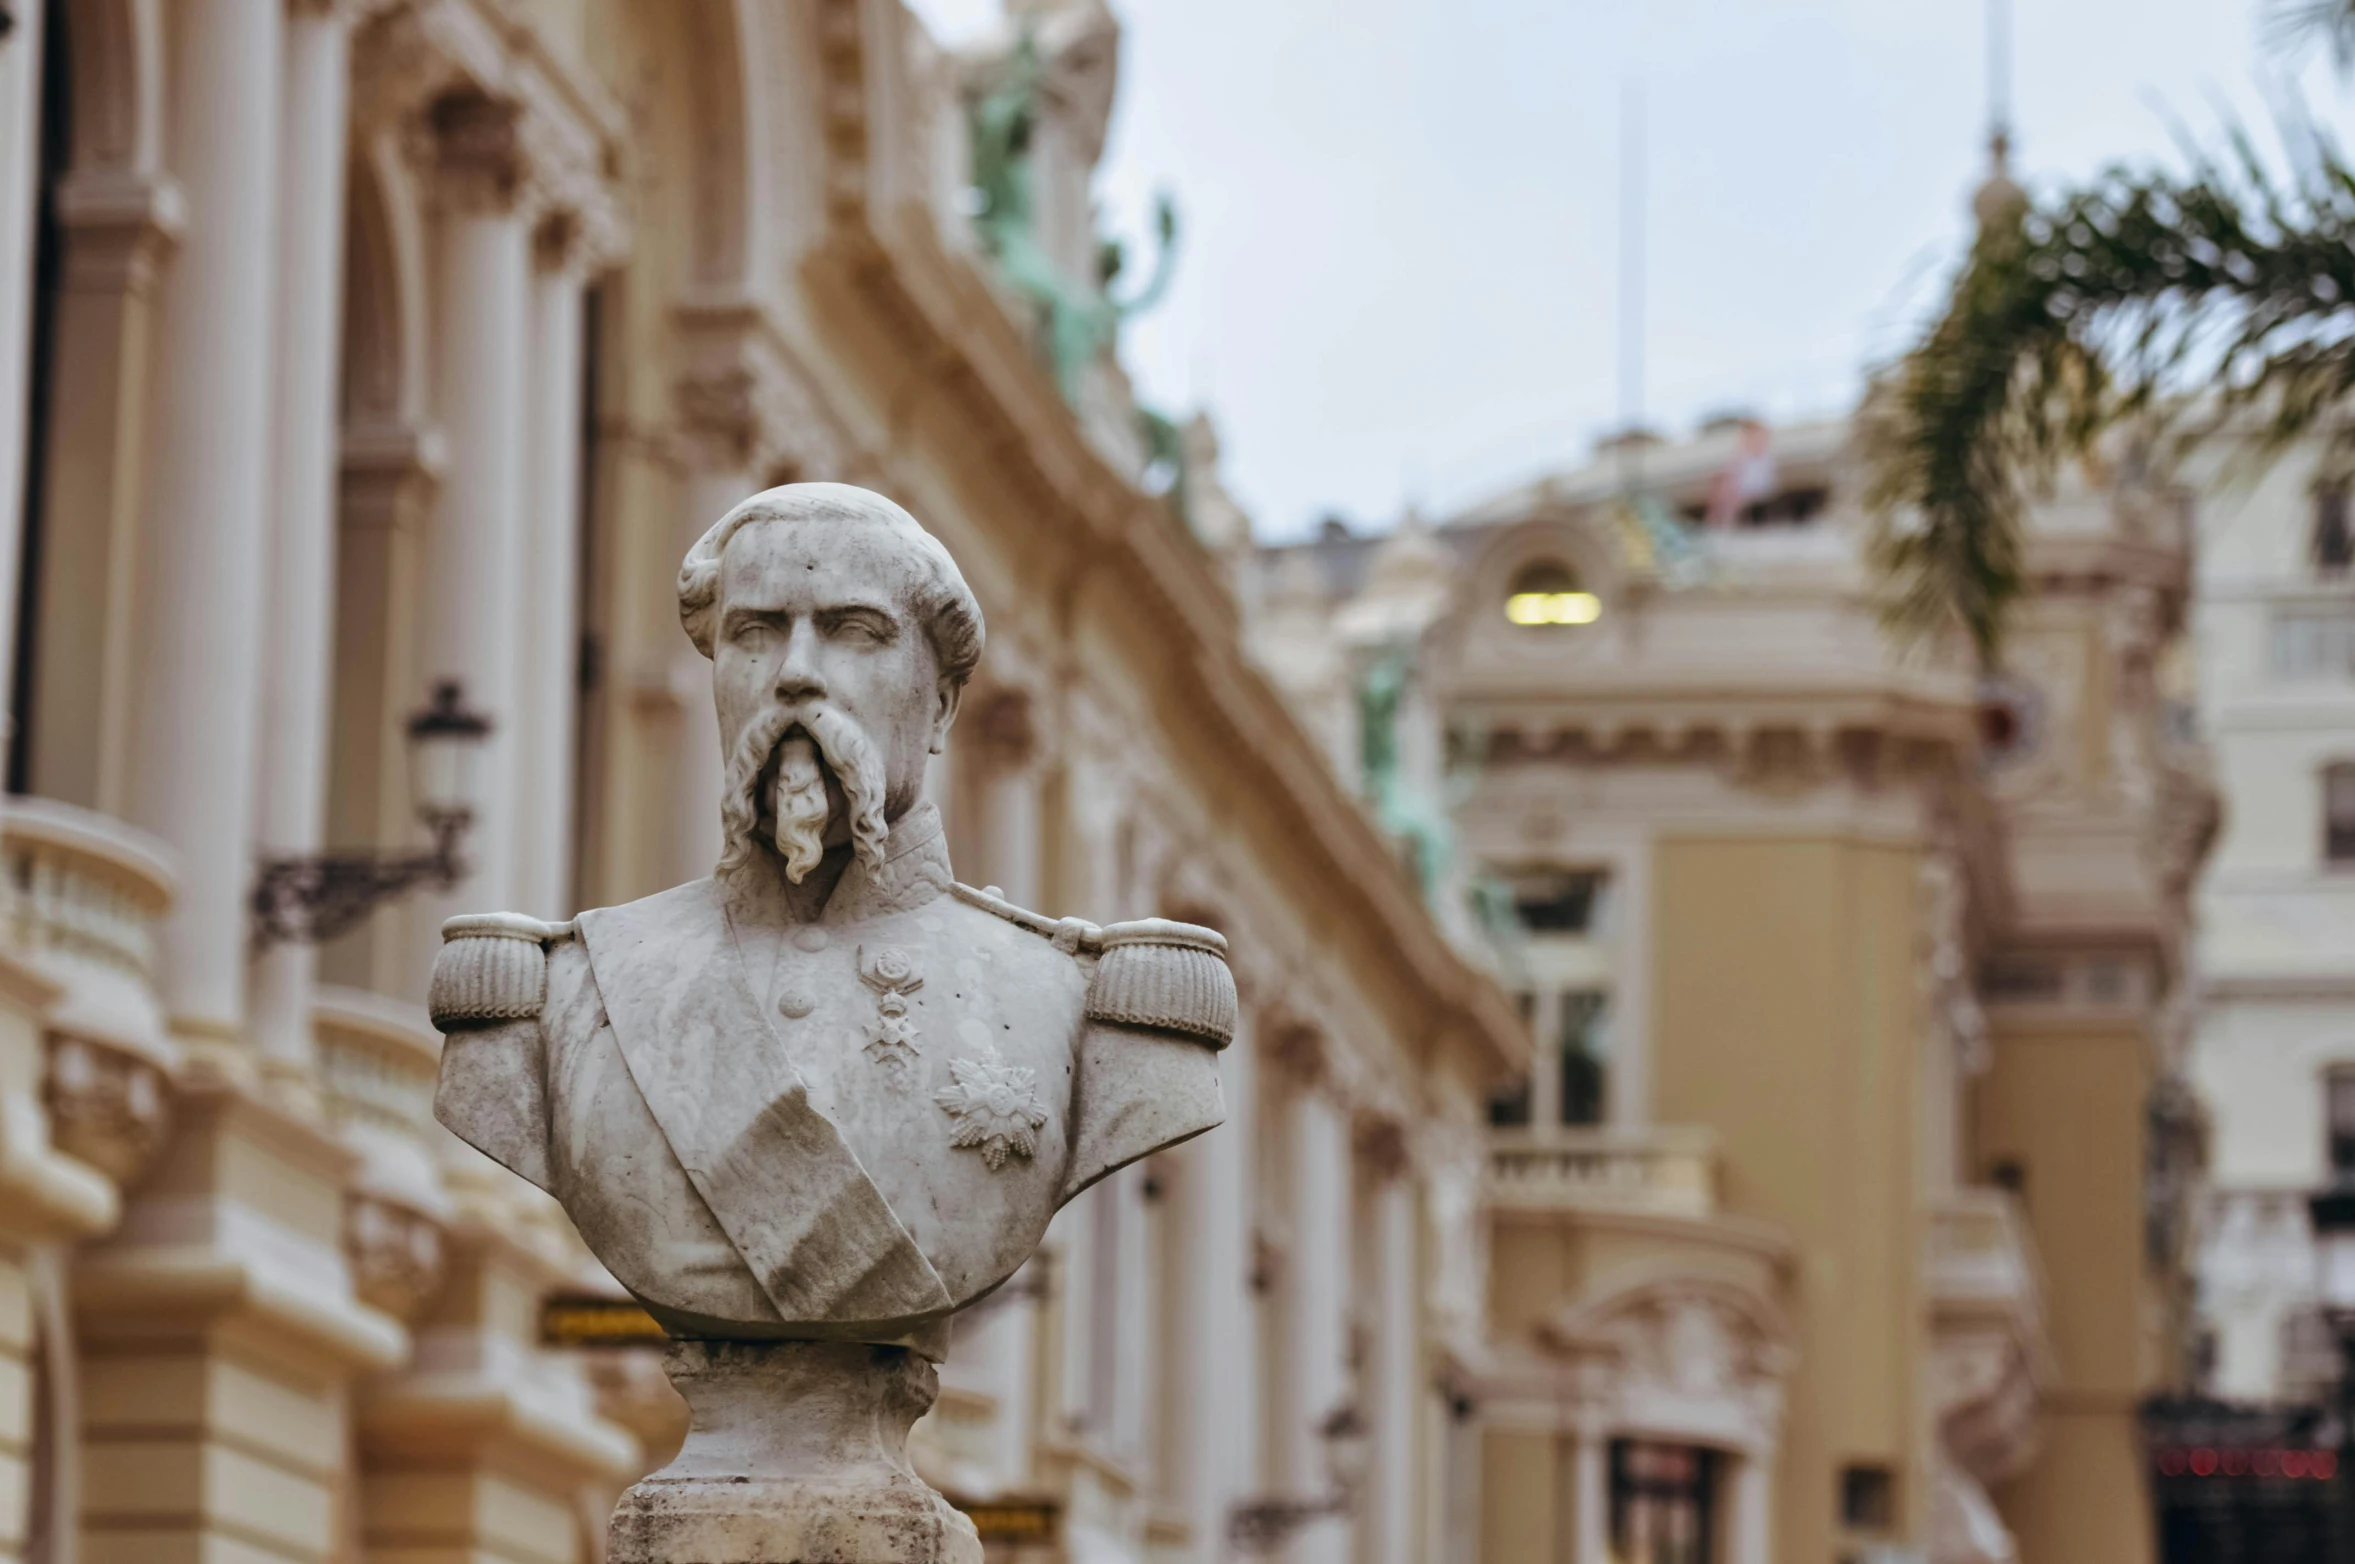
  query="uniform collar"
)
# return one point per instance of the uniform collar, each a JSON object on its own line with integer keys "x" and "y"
{"x": 915, "y": 870}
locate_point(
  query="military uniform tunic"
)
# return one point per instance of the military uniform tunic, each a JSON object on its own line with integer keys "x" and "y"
{"x": 847, "y": 1127}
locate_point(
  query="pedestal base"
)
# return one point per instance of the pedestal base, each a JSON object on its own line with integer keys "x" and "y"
{"x": 797, "y": 1454}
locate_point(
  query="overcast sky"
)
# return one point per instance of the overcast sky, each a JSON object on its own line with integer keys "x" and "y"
{"x": 1402, "y": 223}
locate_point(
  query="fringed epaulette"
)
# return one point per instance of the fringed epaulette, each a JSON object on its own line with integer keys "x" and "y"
{"x": 1171, "y": 977}
{"x": 493, "y": 967}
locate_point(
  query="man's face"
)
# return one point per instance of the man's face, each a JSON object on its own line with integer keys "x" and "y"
{"x": 816, "y": 613}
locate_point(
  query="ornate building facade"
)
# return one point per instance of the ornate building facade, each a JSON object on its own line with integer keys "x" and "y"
{"x": 2275, "y": 1037}
{"x": 1840, "y": 1214}
{"x": 353, "y": 348}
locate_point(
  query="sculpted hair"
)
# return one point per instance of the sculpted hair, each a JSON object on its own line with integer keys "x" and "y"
{"x": 943, "y": 603}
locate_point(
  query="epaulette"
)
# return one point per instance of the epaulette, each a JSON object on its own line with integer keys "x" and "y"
{"x": 1153, "y": 972}
{"x": 1171, "y": 977}
{"x": 492, "y": 967}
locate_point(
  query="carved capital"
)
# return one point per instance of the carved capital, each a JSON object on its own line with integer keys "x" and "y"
{"x": 477, "y": 147}
{"x": 107, "y": 1107}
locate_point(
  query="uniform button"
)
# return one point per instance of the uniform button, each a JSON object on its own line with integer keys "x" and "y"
{"x": 795, "y": 1003}
{"x": 812, "y": 938}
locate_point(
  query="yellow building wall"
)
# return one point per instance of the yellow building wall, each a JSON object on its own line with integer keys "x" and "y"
{"x": 2066, "y": 1107}
{"x": 1785, "y": 1019}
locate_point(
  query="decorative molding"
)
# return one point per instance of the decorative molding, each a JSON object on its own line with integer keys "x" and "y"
{"x": 745, "y": 395}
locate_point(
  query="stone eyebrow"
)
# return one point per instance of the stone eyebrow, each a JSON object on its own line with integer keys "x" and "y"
{"x": 738, "y": 617}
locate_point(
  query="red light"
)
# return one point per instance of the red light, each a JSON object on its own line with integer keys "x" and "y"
{"x": 2236, "y": 1463}
{"x": 2171, "y": 1463}
{"x": 2265, "y": 1463}
{"x": 2203, "y": 1463}
{"x": 2324, "y": 1464}
{"x": 2293, "y": 1463}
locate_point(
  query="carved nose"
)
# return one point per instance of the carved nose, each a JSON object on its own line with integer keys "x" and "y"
{"x": 796, "y": 685}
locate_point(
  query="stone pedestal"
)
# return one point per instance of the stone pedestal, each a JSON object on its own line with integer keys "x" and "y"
{"x": 797, "y": 1454}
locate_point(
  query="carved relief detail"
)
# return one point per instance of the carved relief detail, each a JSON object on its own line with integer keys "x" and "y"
{"x": 107, "y": 1107}
{"x": 995, "y": 1106}
{"x": 395, "y": 1254}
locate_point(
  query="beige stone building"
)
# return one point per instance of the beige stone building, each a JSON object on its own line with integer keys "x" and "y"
{"x": 351, "y": 347}
{"x": 1839, "y": 1216}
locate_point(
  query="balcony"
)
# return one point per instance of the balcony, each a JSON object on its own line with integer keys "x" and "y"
{"x": 1990, "y": 1357}
{"x": 1666, "y": 1171}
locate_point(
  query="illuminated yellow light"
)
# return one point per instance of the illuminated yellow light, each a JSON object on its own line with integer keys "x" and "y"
{"x": 1553, "y": 608}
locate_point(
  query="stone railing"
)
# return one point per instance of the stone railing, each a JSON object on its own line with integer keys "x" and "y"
{"x": 84, "y": 894}
{"x": 377, "y": 1060}
{"x": 1670, "y": 1171}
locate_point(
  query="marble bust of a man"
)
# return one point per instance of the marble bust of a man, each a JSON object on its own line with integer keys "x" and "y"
{"x": 827, "y": 1093}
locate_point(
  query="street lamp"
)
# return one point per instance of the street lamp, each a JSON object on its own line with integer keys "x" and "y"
{"x": 2333, "y": 1212}
{"x": 1263, "y": 1525}
{"x": 315, "y": 897}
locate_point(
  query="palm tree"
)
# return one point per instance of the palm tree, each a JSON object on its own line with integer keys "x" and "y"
{"x": 2086, "y": 309}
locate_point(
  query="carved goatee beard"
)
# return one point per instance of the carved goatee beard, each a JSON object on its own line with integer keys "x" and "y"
{"x": 800, "y": 738}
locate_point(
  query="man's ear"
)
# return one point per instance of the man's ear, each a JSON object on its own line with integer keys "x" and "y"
{"x": 952, "y": 696}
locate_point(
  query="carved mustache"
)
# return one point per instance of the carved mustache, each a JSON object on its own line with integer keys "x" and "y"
{"x": 802, "y": 739}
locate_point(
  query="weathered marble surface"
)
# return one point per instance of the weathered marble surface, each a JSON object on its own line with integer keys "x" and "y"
{"x": 830, "y": 1484}
{"x": 826, "y": 1095}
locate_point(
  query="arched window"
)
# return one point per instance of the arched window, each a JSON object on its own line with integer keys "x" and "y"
{"x": 1550, "y": 593}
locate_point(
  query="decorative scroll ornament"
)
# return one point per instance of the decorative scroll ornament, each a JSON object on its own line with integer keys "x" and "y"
{"x": 996, "y": 1107}
{"x": 891, "y": 1036}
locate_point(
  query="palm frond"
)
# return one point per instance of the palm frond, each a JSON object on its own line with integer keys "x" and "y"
{"x": 2092, "y": 307}
{"x": 2293, "y": 25}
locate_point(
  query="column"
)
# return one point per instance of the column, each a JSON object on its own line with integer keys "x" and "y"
{"x": 1750, "y": 1507}
{"x": 1388, "y": 1507}
{"x": 1545, "y": 1065}
{"x": 300, "y": 668}
{"x": 208, "y": 505}
{"x": 477, "y": 561}
{"x": 1221, "y": 1431}
{"x": 1319, "y": 1325}
{"x": 20, "y": 194}
{"x": 1590, "y": 1497}
{"x": 552, "y": 655}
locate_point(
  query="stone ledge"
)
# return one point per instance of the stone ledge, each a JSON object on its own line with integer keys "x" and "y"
{"x": 179, "y": 1291}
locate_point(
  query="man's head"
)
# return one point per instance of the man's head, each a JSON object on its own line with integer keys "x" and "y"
{"x": 841, "y": 635}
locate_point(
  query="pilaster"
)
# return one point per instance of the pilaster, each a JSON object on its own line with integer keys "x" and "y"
{"x": 120, "y": 229}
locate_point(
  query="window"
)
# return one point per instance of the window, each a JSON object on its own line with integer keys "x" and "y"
{"x": 2338, "y": 812}
{"x": 1868, "y": 1499}
{"x": 1558, "y": 901}
{"x": 1549, "y": 593}
{"x": 1663, "y": 1503}
{"x": 2334, "y": 541}
{"x": 2314, "y": 645}
{"x": 2339, "y": 1105}
{"x": 1585, "y": 1078}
